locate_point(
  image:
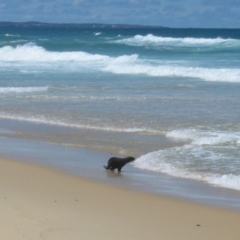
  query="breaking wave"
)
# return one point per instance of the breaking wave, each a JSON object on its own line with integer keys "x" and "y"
{"x": 206, "y": 156}
{"x": 126, "y": 64}
{"x": 207, "y": 74}
{"x": 32, "y": 53}
{"x": 157, "y": 41}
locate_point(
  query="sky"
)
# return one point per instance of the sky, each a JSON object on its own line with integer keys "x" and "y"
{"x": 167, "y": 13}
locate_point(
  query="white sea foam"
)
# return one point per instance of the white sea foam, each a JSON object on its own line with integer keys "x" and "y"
{"x": 228, "y": 181}
{"x": 22, "y": 89}
{"x": 209, "y": 156}
{"x": 32, "y": 53}
{"x": 98, "y": 33}
{"x": 207, "y": 74}
{"x": 151, "y": 40}
{"x": 125, "y": 64}
{"x": 153, "y": 162}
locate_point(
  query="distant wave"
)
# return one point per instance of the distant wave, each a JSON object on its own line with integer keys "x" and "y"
{"x": 19, "y": 41}
{"x": 125, "y": 64}
{"x": 22, "y": 89}
{"x": 91, "y": 98}
{"x": 205, "y": 156}
{"x": 156, "y": 41}
{"x": 11, "y": 35}
{"x": 207, "y": 74}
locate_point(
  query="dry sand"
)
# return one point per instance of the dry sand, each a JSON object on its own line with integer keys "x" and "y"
{"x": 43, "y": 203}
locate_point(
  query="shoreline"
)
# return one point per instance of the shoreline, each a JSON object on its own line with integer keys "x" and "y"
{"x": 88, "y": 163}
{"x": 45, "y": 203}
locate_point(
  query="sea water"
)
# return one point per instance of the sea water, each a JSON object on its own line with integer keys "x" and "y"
{"x": 168, "y": 96}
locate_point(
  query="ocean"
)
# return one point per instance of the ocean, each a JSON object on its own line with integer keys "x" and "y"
{"x": 168, "y": 96}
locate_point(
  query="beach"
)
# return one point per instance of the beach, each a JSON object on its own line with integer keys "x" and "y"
{"x": 44, "y": 203}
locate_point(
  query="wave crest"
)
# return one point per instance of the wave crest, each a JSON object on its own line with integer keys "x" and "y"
{"x": 198, "y": 137}
{"x": 31, "y": 52}
{"x": 22, "y": 89}
{"x": 11, "y": 35}
{"x": 158, "y": 41}
{"x": 207, "y": 74}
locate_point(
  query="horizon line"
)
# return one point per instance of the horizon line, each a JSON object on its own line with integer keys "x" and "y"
{"x": 95, "y": 25}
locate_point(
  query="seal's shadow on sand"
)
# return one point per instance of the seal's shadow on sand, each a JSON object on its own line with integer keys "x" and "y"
{"x": 114, "y": 174}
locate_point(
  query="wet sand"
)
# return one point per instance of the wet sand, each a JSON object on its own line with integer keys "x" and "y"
{"x": 89, "y": 164}
{"x": 44, "y": 203}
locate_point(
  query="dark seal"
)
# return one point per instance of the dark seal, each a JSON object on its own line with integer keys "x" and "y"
{"x": 118, "y": 163}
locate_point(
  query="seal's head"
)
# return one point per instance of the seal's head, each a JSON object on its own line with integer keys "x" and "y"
{"x": 130, "y": 159}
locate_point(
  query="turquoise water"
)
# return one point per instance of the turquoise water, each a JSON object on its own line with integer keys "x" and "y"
{"x": 168, "y": 96}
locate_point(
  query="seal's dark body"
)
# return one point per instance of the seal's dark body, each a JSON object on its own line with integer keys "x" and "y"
{"x": 118, "y": 163}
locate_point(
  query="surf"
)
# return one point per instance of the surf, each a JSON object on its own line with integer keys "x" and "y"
{"x": 32, "y": 54}
{"x": 204, "y": 156}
